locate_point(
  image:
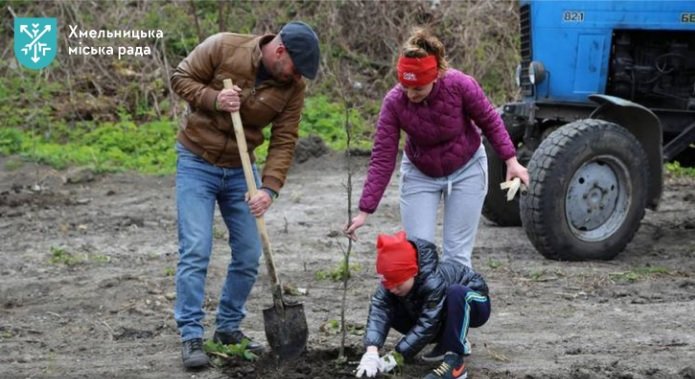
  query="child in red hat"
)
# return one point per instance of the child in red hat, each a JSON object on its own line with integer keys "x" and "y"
{"x": 427, "y": 302}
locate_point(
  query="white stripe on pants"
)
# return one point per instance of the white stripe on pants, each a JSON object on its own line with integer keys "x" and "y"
{"x": 463, "y": 193}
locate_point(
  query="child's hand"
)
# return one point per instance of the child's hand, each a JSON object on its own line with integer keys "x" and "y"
{"x": 390, "y": 361}
{"x": 370, "y": 364}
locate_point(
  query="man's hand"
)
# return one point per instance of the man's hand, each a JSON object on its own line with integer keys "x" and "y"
{"x": 370, "y": 365}
{"x": 259, "y": 203}
{"x": 228, "y": 100}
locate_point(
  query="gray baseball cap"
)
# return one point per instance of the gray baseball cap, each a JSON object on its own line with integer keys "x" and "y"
{"x": 303, "y": 45}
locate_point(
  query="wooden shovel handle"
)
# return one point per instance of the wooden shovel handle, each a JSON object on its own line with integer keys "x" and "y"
{"x": 260, "y": 222}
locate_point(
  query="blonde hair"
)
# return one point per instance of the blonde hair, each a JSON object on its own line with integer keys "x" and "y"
{"x": 422, "y": 43}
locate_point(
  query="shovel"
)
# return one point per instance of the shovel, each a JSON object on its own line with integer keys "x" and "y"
{"x": 285, "y": 324}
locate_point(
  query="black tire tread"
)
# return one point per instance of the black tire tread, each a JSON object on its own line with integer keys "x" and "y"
{"x": 496, "y": 208}
{"x": 540, "y": 166}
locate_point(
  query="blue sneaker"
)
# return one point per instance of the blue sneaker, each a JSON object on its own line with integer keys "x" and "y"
{"x": 452, "y": 367}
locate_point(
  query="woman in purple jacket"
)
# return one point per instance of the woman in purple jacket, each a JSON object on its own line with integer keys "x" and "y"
{"x": 442, "y": 112}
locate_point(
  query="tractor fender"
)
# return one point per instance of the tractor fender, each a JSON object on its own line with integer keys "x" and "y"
{"x": 646, "y": 127}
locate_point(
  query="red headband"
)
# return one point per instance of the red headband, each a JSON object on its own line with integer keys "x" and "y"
{"x": 396, "y": 259}
{"x": 417, "y": 71}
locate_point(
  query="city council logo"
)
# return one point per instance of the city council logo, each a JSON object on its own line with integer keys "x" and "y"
{"x": 35, "y": 41}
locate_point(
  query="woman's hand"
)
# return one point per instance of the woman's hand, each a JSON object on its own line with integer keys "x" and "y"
{"x": 356, "y": 223}
{"x": 516, "y": 170}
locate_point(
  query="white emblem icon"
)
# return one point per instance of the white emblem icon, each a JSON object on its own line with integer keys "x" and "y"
{"x": 35, "y": 41}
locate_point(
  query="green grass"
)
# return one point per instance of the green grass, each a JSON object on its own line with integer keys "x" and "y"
{"x": 327, "y": 120}
{"x": 149, "y": 147}
{"x": 60, "y": 256}
{"x": 640, "y": 273}
{"x": 494, "y": 264}
{"x": 225, "y": 352}
{"x": 109, "y": 147}
{"x": 338, "y": 273}
{"x": 675, "y": 169}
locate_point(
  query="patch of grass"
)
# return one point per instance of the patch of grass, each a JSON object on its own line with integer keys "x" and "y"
{"x": 25, "y": 100}
{"x": 149, "y": 147}
{"x": 61, "y": 256}
{"x": 239, "y": 350}
{"x": 326, "y": 119}
{"x": 494, "y": 264}
{"x": 108, "y": 147}
{"x": 640, "y": 273}
{"x": 338, "y": 273}
{"x": 10, "y": 140}
{"x": 169, "y": 271}
{"x": 674, "y": 168}
{"x": 400, "y": 362}
{"x": 332, "y": 328}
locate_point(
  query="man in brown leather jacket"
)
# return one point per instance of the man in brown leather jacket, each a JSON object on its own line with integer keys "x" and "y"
{"x": 268, "y": 89}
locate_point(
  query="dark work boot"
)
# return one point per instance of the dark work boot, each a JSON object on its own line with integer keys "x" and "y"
{"x": 236, "y": 337}
{"x": 192, "y": 353}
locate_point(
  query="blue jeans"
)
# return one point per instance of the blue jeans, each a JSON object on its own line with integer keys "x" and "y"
{"x": 199, "y": 185}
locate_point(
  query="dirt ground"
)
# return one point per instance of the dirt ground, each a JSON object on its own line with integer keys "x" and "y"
{"x": 87, "y": 286}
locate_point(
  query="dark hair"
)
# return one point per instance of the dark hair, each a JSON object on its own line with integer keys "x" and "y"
{"x": 422, "y": 43}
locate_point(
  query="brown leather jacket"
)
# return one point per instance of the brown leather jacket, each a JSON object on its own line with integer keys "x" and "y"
{"x": 209, "y": 133}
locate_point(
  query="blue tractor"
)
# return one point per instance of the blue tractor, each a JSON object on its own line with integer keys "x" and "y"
{"x": 608, "y": 95}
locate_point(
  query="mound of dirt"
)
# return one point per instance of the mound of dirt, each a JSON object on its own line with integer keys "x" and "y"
{"x": 309, "y": 147}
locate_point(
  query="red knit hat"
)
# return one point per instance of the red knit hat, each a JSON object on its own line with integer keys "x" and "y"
{"x": 396, "y": 259}
{"x": 417, "y": 71}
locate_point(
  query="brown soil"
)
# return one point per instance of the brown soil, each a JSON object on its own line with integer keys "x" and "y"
{"x": 86, "y": 285}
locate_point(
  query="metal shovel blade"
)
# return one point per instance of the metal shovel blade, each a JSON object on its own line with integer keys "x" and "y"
{"x": 286, "y": 330}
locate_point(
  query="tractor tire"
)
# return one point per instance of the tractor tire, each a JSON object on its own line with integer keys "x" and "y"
{"x": 587, "y": 193}
{"x": 496, "y": 207}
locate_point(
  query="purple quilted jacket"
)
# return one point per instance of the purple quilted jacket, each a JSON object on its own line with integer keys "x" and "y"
{"x": 441, "y": 132}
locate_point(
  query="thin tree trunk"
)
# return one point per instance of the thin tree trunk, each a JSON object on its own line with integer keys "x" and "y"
{"x": 194, "y": 10}
{"x": 346, "y": 277}
{"x": 221, "y": 16}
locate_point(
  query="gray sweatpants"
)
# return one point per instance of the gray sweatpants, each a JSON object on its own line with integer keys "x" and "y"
{"x": 463, "y": 193}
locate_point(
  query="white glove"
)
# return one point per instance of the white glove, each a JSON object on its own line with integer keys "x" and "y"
{"x": 370, "y": 365}
{"x": 388, "y": 363}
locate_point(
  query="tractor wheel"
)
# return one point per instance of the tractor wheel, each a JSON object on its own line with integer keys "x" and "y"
{"x": 496, "y": 207}
{"x": 587, "y": 193}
